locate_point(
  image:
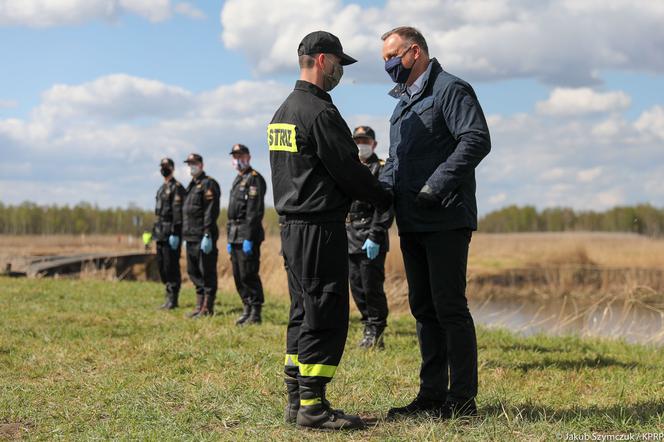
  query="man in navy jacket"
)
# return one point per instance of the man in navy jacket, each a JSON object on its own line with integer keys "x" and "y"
{"x": 438, "y": 136}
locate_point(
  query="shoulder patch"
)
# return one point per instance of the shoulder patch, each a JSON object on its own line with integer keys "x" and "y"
{"x": 253, "y": 191}
{"x": 254, "y": 173}
{"x": 209, "y": 194}
{"x": 281, "y": 137}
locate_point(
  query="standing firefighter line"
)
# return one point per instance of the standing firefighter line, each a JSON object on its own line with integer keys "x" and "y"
{"x": 246, "y": 207}
{"x": 315, "y": 175}
{"x": 167, "y": 232}
{"x": 200, "y": 212}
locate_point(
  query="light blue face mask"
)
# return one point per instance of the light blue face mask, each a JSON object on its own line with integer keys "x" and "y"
{"x": 240, "y": 165}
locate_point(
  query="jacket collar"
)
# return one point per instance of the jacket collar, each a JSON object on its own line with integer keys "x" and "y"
{"x": 198, "y": 179}
{"x": 301, "y": 85}
{"x": 372, "y": 159}
{"x": 399, "y": 91}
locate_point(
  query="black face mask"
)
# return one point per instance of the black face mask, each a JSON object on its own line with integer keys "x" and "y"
{"x": 166, "y": 171}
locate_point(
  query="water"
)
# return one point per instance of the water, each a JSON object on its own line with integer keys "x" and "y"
{"x": 627, "y": 319}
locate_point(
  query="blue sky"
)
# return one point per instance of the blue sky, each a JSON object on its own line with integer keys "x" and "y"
{"x": 94, "y": 92}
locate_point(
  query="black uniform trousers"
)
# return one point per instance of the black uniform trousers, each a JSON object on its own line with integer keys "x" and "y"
{"x": 245, "y": 273}
{"x": 202, "y": 268}
{"x": 367, "y": 277}
{"x": 168, "y": 261}
{"x": 316, "y": 258}
{"x": 435, "y": 265}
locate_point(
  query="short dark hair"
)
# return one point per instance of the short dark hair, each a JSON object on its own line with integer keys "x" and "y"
{"x": 307, "y": 61}
{"x": 411, "y": 35}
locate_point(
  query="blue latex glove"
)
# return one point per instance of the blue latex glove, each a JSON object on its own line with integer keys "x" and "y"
{"x": 372, "y": 248}
{"x": 229, "y": 247}
{"x": 206, "y": 244}
{"x": 174, "y": 242}
{"x": 247, "y": 247}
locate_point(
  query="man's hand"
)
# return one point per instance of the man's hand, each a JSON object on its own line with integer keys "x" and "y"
{"x": 372, "y": 248}
{"x": 174, "y": 242}
{"x": 247, "y": 247}
{"x": 206, "y": 244}
{"x": 427, "y": 199}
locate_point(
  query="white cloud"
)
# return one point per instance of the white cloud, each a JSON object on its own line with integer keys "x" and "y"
{"x": 580, "y": 101}
{"x": 559, "y": 42}
{"x": 113, "y": 130}
{"x": 189, "y": 10}
{"x": 47, "y": 13}
{"x": 497, "y": 199}
{"x": 652, "y": 121}
{"x": 6, "y": 104}
{"x": 588, "y": 175}
{"x": 563, "y": 162}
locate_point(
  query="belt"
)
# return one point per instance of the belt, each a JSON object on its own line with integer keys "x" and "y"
{"x": 316, "y": 218}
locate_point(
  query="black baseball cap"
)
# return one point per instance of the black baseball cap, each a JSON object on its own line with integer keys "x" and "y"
{"x": 364, "y": 132}
{"x": 194, "y": 158}
{"x": 239, "y": 148}
{"x": 167, "y": 161}
{"x": 322, "y": 42}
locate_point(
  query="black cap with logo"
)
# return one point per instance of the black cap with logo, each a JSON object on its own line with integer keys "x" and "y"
{"x": 194, "y": 158}
{"x": 364, "y": 132}
{"x": 239, "y": 149}
{"x": 322, "y": 42}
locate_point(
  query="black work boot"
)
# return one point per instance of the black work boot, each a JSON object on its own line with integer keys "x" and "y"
{"x": 373, "y": 337}
{"x": 170, "y": 299}
{"x": 460, "y": 409}
{"x": 207, "y": 307}
{"x": 244, "y": 316}
{"x": 420, "y": 406}
{"x": 293, "y": 405}
{"x": 197, "y": 309}
{"x": 255, "y": 315}
{"x": 168, "y": 304}
{"x": 315, "y": 412}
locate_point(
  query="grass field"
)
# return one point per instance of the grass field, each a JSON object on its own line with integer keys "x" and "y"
{"x": 86, "y": 359}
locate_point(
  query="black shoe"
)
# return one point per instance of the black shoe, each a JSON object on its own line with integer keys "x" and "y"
{"x": 372, "y": 338}
{"x": 244, "y": 316}
{"x": 255, "y": 315}
{"x": 419, "y": 406}
{"x": 458, "y": 409}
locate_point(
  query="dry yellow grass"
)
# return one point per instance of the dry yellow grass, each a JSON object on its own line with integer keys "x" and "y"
{"x": 549, "y": 261}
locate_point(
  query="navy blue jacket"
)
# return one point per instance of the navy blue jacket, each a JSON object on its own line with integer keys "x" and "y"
{"x": 437, "y": 137}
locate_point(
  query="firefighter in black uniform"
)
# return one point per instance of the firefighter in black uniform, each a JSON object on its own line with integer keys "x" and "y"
{"x": 316, "y": 173}
{"x": 246, "y": 207}
{"x": 368, "y": 242}
{"x": 167, "y": 232}
{"x": 200, "y": 212}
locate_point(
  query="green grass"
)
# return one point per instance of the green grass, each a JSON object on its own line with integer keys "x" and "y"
{"x": 96, "y": 360}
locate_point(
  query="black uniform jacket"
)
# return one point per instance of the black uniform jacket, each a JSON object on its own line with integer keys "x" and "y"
{"x": 201, "y": 208}
{"x": 246, "y": 207}
{"x": 365, "y": 221}
{"x": 316, "y": 171}
{"x": 168, "y": 210}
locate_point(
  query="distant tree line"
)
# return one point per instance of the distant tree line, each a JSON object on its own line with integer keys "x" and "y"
{"x": 643, "y": 219}
{"x": 33, "y": 219}
{"x": 84, "y": 218}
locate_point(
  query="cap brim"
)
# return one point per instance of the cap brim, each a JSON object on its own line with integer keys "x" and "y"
{"x": 347, "y": 59}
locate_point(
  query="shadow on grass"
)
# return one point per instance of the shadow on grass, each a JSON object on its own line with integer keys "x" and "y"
{"x": 639, "y": 413}
{"x": 558, "y": 364}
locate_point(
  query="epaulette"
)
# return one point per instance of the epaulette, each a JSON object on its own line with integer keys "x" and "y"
{"x": 381, "y": 162}
{"x": 254, "y": 173}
